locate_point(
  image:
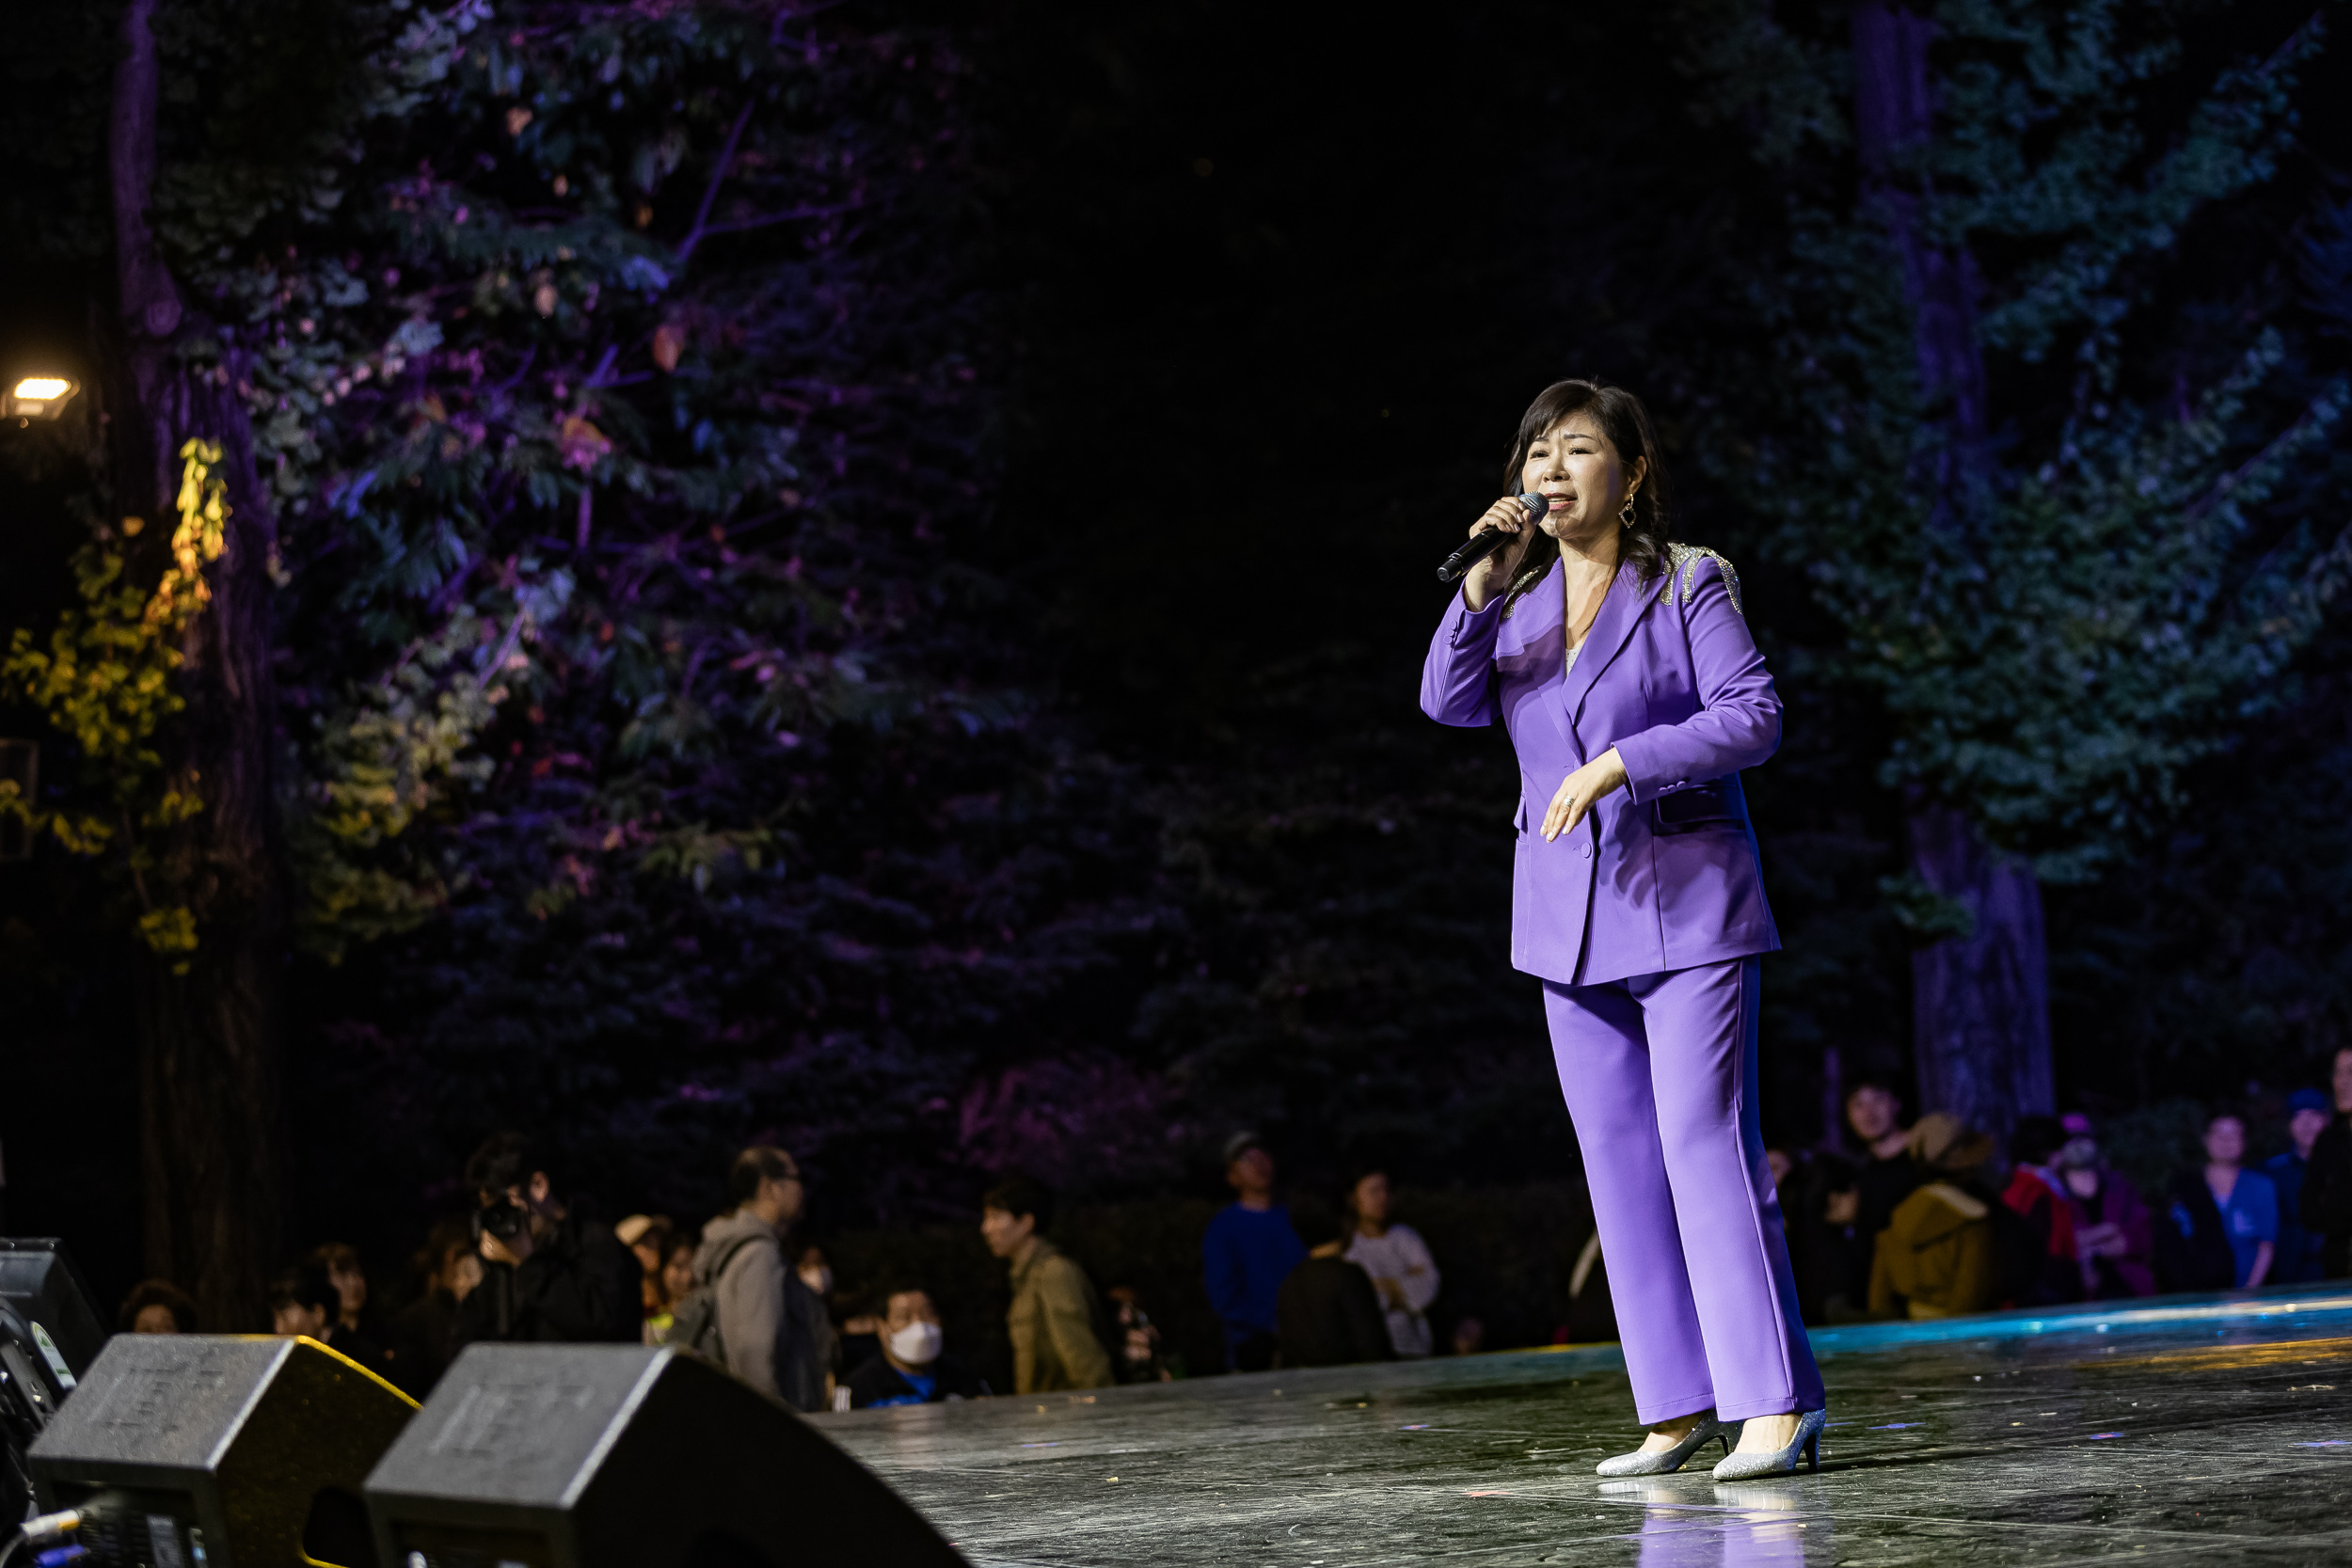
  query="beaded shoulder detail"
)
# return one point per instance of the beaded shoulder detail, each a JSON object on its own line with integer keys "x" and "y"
{"x": 1682, "y": 564}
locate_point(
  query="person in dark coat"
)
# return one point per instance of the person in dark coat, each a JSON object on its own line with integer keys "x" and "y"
{"x": 2327, "y": 1205}
{"x": 304, "y": 1301}
{"x": 2308, "y": 1114}
{"x": 1818, "y": 1201}
{"x": 2192, "y": 1246}
{"x": 1327, "y": 1312}
{"x": 424, "y": 1336}
{"x": 914, "y": 1366}
{"x": 156, "y": 1306}
{"x": 2038, "y": 1195}
{"x": 549, "y": 1275}
{"x": 1884, "y": 1176}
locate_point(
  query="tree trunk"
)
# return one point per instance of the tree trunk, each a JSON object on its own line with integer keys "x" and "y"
{"x": 1979, "y": 1005}
{"x": 209, "y": 1051}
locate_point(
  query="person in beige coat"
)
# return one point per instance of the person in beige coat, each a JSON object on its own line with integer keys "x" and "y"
{"x": 1055, "y": 1345}
{"x": 1937, "y": 1258}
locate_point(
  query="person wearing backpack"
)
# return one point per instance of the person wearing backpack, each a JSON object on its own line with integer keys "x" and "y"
{"x": 748, "y": 1313}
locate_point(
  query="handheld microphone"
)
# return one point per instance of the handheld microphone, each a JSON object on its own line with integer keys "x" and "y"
{"x": 1479, "y": 546}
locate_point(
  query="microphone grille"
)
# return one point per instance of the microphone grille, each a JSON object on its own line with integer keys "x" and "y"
{"x": 1533, "y": 502}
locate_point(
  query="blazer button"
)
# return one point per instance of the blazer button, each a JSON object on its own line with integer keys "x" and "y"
{"x": 1583, "y": 849}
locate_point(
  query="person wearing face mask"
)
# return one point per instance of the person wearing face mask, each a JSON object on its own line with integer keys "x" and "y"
{"x": 815, "y": 1272}
{"x": 1635, "y": 694}
{"x": 912, "y": 1369}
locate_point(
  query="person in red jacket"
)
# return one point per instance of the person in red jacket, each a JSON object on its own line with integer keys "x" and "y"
{"x": 2038, "y": 1195}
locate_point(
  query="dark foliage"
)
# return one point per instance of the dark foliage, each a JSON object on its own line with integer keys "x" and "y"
{"x": 930, "y": 680}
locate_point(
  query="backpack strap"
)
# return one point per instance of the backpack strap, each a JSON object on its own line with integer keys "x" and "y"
{"x": 727, "y": 1256}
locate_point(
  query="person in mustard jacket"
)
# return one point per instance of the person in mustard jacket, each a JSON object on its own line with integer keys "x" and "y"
{"x": 1937, "y": 1257}
{"x": 1055, "y": 1345}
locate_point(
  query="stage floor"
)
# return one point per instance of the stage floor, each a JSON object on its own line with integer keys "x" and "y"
{"x": 2205, "y": 1429}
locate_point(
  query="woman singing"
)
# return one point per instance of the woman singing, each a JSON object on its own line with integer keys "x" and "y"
{"x": 1623, "y": 669}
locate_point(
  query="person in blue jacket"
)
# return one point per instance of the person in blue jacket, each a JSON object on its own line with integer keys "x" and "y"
{"x": 2308, "y": 1113}
{"x": 1249, "y": 1251}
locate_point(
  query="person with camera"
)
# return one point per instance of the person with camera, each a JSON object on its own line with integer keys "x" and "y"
{"x": 547, "y": 1273}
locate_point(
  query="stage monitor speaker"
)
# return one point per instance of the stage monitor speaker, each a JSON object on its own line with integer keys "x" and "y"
{"x": 39, "y": 1282}
{"x": 201, "y": 1450}
{"x": 49, "y": 1334}
{"x": 614, "y": 1456}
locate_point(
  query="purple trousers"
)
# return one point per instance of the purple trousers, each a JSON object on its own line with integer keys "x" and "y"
{"x": 1659, "y": 1075}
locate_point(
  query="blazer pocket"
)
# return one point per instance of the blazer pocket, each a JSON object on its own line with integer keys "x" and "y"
{"x": 1693, "y": 810}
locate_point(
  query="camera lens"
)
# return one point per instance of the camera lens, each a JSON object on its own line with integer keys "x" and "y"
{"x": 503, "y": 1218}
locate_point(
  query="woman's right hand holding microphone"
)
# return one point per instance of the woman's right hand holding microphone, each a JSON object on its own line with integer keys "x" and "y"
{"x": 1493, "y": 574}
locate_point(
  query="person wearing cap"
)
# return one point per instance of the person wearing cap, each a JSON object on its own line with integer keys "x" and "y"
{"x": 2297, "y": 1259}
{"x": 2114, "y": 1233}
{"x": 1937, "y": 1257}
{"x": 647, "y": 1237}
{"x": 1622, "y": 665}
{"x": 1249, "y": 1250}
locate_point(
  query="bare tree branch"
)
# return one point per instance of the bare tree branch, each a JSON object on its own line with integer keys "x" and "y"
{"x": 710, "y": 191}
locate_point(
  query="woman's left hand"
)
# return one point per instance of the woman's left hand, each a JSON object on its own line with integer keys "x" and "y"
{"x": 1581, "y": 789}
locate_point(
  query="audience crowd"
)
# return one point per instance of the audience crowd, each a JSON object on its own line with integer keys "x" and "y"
{"x": 1929, "y": 1219}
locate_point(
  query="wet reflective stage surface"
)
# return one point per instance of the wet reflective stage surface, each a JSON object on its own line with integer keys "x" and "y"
{"x": 2204, "y": 1428}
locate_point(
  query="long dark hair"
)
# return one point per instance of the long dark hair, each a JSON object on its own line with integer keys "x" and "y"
{"x": 1626, "y": 422}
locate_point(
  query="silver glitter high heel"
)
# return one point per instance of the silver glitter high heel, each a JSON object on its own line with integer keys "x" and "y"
{"x": 1665, "y": 1462}
{"x": 1781, "y": 1461}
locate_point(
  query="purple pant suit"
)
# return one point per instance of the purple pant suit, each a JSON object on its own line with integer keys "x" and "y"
{"x": 1645, "y": 923}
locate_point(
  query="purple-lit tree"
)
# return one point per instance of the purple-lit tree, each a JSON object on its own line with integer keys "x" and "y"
{"x": 676, "y": 762}
{"x": 616, "y": 719}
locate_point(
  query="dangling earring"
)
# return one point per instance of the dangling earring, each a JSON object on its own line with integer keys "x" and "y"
{"x": 1624, "y": 513}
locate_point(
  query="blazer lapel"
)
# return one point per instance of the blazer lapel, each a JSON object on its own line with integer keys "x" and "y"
{"x": 1540, "y": 620}
{"x": 1620, "y": 612}
{"x": 1532, "y": 618}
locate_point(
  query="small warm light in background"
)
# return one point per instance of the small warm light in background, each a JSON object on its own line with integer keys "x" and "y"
{"x": 39, "y": 397}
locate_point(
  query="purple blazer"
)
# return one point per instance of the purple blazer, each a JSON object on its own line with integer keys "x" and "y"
{"x": 1662, "y": 874}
